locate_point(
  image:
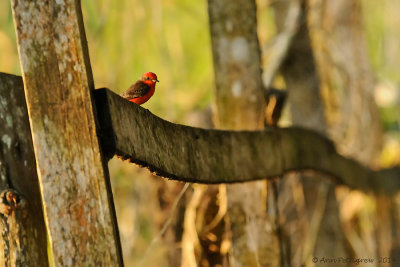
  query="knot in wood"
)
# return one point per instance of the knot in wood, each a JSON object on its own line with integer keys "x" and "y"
{"x": 10, "y": 201}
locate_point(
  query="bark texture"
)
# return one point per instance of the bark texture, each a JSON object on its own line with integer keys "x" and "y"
{"x": 23, "y": 241}
{"x": 73, "y": 177}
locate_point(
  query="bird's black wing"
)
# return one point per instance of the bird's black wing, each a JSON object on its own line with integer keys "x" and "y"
{"x": 136, "y": 90}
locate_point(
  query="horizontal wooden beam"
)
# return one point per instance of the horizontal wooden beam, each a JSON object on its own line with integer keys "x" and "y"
{"x": 205, "y": 156}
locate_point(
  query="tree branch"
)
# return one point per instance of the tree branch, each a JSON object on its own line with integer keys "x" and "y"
{"x": 205, "y": 156}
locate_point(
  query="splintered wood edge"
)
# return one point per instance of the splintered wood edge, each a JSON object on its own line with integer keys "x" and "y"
{"x": 191, "y": 154}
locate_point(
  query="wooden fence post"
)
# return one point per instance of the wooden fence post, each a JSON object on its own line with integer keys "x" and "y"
{"x": 72, "y": 172}
{"x": 240, "y": 105}
{"x": 23, "y": 232}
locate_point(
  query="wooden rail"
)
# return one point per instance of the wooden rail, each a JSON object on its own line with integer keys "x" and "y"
{"x": 216, "y": 156}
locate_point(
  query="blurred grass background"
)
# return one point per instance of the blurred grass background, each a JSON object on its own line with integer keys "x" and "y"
{"x": 171, "y": 38}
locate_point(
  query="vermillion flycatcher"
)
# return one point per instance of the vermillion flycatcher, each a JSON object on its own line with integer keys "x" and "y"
{"x": 142, "y": 90}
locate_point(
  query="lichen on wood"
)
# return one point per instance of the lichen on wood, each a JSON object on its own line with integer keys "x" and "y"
{"x": 22, "y": 227}
{"x": 74, "y": 182}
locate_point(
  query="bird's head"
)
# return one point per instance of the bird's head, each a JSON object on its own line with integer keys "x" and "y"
{"x": 149, "y": 77}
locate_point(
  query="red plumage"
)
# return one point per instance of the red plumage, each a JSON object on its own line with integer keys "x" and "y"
{"x": 142, "y": 90}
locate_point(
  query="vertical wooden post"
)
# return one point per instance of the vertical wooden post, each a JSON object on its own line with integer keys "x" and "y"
{"x": 240, "y": 105}
{"x": 23, "y": 232}
{"x": 72, "y": 173}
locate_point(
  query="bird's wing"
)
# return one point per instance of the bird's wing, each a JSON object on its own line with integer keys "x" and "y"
{"x": 136, "y": 90}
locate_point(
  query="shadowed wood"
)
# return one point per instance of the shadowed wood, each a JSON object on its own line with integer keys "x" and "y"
{"x": 23, "y": 229}
{"x": 73, "y": 177}
{"x": 217, "y": 156}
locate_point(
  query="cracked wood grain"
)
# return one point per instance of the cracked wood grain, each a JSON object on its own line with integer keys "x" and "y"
{"x": 73, "y": 177}
{"x": 207, "y": 156}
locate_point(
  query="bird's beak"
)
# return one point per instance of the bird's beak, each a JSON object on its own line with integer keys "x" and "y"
{"x": 155, "y": 80}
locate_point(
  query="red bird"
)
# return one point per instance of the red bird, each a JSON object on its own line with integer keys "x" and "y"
{"x": 142, "y": 90}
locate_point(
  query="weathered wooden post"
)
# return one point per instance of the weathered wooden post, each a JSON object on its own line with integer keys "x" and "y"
{"x": 73, "y": 176}
{"x": 23, "y": 232}
{"x": 240, "y": 105}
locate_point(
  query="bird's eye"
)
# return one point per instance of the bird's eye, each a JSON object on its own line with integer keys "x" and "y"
{"x": 147, "y": 78}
